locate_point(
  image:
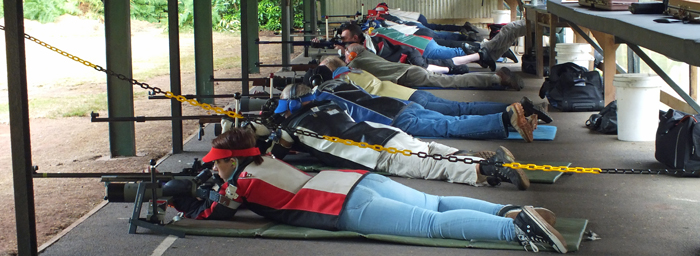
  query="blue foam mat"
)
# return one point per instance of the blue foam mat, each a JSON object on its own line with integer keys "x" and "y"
{"x": 543, "y": 133}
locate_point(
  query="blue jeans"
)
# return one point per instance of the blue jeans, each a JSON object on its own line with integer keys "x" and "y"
{"x": 422, "y": 20}
{"x": 379, "y": 205}
{"x": 455, "y": 108}
{"x": 436, "y": 51}
{"x": 418, "y": 121}
{"x": 440, "y": 34}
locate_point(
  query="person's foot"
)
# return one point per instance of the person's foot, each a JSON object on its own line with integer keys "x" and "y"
{"x": 510, "y": 55}
{"x": 533, "y": 230}
{"x": 530, "y": 108}
{"x": 485, "y": 59}
{"x": 512, "y": 211}
{"x": 501, "y": 173}
{"x": 516, "y": 115}
{"x": 509, "y": 79}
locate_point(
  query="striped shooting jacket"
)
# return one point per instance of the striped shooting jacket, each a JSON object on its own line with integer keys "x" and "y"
{"x": 282, "y": 193}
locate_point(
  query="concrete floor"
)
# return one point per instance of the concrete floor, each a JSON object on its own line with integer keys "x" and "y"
{"x": 632, "y": 214}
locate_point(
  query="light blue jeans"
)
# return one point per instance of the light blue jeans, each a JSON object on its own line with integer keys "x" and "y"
{"x": 435, "y": 51}
{"x": 418, "y": 121}
{"x": 456, "y": 108}
{"x": 379, "y": 205}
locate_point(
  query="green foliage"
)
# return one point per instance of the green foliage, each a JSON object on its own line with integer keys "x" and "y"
{"x": 46, "y": 11}
{"x": 226, "y": 14}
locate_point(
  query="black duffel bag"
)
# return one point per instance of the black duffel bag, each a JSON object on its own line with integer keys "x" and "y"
{"x": 605, "y": 121}
{"x": 678, "y": 141}
{"x": 571, "y": 87}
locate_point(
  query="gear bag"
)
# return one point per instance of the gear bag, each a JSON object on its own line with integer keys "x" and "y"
{"x": 678, "y": 141}
{"x": 571, "y": 87}
{"x": 605, "y": 121}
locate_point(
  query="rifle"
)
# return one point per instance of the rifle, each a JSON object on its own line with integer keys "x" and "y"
{"x": 196, "y": 181}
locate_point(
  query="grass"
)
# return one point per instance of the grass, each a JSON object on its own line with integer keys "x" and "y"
{"x": 71, "y": 106}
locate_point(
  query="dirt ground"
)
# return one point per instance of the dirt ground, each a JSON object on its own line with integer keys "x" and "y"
{"x": 76, "y": 145}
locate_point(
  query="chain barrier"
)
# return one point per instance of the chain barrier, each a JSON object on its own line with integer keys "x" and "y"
{"x": 391, "y": 150}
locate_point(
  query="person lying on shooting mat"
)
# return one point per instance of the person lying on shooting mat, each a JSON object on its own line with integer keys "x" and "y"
{"x": 413, "y": 76}
{"x": 376, "y": 87}
{"x": 490, "y": 120}
{"x": 298, "y": 111}
{"x": 357, "y": 201}
{"x": 485, "y": 54}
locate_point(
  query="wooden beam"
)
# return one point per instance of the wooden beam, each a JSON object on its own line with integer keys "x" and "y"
{"x": 675, "y": 103}
{"x": 607, "y": 42}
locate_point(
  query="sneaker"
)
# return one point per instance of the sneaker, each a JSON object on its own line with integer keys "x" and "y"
{"x": 532, "y": 230}
{"x": 530, "y": 108}
{"x": 485, "y": 59}
{"x": 496, "y": 174}
{"x": 512, "y": 211}
{"x": 458, "y": 70}
{"x": 517, "y": 118}
{"x": 510, "y": 80}
{"x": 481, "y": 154}
{"x": 533, "y": 120}
{"x": 510, "y": 55}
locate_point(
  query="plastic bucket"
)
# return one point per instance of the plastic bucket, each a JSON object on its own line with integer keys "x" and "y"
{"x": 500, "y": 16}
{"x": 581, "y": 59}
{"x": 637, "y": 106}
{"x": 576, "y": 53}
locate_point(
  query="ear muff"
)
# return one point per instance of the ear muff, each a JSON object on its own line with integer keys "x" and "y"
{"x": 316, "y": 80}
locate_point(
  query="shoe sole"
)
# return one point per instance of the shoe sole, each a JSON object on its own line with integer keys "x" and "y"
{"x": 559, "y": 244}
{"x": 545, "y": 213}
{"x": 518, "y": 121}
{"x": 541, "y": 114}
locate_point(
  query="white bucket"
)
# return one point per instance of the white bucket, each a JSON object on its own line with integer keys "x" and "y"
{"x": 637, "y": 106}
{"x": 500, "y": 16}
{"x": 576, "y": 53}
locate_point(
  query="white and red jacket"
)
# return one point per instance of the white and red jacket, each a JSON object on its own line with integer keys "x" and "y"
{"x": 282, "y": 193}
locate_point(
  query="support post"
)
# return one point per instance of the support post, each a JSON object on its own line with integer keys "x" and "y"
{"x": 607, "y": 42}
{"x": 310, "y": 18}
{"x": 120, "y": 93}
{"x": 203, "y": 50}
{"x": 285, "y": 6}
{"x": 20, "y": 139}
{"x": 175, "y": 79}
{"x": 693, "y": 90}
{"x": 249, "y": 49}
{"x": 632, "y": 61}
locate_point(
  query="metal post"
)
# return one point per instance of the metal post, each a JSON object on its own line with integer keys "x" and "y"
{"x": 19, "y": 128}
{"x": 249, "y": 49}
{"x": 632, "y": 61}
{"x": 120, "y": 93}
{"x": 286, "y": 28}
{"x": 310, "y": 18}
{"x": 175, "y": 80}
{"x": 323, "y": 8}
{"x": 203, "y": 50}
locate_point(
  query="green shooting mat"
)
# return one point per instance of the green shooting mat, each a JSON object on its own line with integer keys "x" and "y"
{"x": 251, "y": 225}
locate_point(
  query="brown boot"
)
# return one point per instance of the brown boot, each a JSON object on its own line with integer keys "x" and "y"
{"x": 510, "y": 80}
{"x": 516, "y": 115}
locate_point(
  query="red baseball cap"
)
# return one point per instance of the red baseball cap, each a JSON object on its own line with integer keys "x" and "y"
{"x": 217, "y": 153}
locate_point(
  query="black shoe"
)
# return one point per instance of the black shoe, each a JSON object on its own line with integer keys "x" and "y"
{"x": 458, "y": 70}
{"x": 485, "y": 60}
{"x": 532, "y": 230}
{"x": 530, "y": 108}
{"x": 469, "y": 48}
{"x": 510, "y": 55}
{"x": 501, "y": 173}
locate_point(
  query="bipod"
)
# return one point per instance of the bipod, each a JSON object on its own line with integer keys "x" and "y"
{"x": 154, "y": 221}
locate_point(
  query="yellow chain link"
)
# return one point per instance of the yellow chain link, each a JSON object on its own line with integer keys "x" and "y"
{"x": 549, "y": 168}
{"x": 379, "y": 148}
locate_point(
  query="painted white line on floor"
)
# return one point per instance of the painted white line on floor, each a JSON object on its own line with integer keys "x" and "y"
{"x": 685, "y": 199}
{"x": 167, "y": 242}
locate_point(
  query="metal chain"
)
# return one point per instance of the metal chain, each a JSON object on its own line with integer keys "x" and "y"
{"x": 391, "y": 150}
